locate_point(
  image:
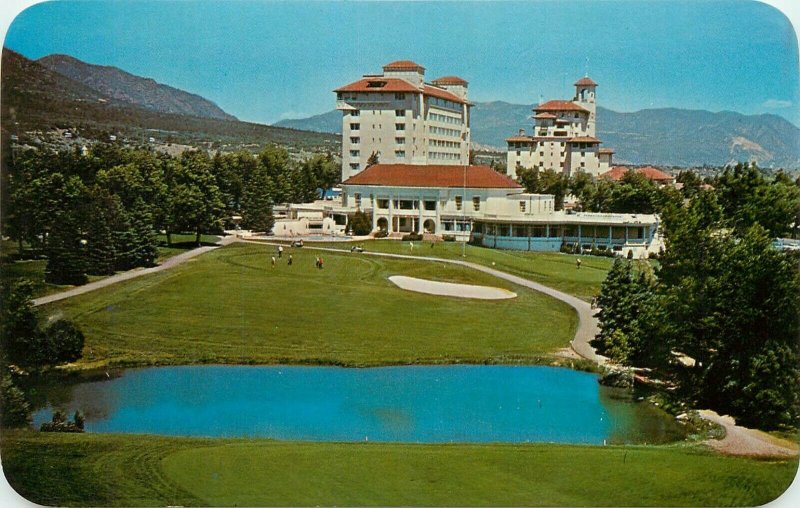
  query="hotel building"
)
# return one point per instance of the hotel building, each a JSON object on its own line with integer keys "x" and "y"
{"x": 402, "y": 120}
{"x": 564, "y": 136}
{"x": 423, "y": 182}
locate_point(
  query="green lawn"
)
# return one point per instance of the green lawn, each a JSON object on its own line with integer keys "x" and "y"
{"x": 231, "y": 306}
{"x": 552, "y": 269}
{"x": 135, "y": 470}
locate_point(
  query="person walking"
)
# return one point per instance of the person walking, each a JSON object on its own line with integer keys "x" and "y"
{"x": 273, "y": 261}
{"x": 578, "y": 263}
{"x": 411, "y": 244}
{"x": 290, "y": 260}
{"x": 280, "y": 251}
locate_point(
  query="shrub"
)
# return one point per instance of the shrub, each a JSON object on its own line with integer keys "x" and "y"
{"x": 381, "y": 234}
{"x": 412, "y": 237}
{"x": 449, "y": 238}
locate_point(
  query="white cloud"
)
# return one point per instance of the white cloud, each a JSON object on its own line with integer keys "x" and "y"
{"x": 776, "y": 104}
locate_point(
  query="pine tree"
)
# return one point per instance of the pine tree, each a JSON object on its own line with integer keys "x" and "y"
{"x": 66, "y": 259}
{"x": 257, "y": 201}
{"x": 145, "y": 243}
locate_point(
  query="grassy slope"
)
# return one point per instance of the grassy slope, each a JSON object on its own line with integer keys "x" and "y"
{"x": 148, "y": 470}
{"x": 12, "y": 270}
{"x": 553, "y": 269}
{"x": 230, "y": 306}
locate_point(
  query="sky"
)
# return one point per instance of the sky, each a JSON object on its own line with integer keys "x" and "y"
{"x": 264, "y": 61}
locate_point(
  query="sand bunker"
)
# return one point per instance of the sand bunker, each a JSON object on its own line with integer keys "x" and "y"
{"x": 432, "y": 287}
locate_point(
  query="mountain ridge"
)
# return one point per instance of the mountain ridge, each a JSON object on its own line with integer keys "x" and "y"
{"x": 141, "y": 91}
{"x": 647, "y": 136}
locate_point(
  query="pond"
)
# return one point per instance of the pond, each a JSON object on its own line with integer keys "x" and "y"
{"x": 426, "y": 404}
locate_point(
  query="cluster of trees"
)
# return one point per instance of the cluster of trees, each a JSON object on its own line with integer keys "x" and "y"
{"x": 25, "y": 344}
{"x": 634, "y": 193}
{"x": 723, "y": 295}
{"x": 98, "y": 212}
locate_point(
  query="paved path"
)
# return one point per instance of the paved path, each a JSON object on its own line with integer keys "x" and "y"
{"x": 131, "y": 274}
{"x": 587, "y": 323}
{"x": 749, "y": 442}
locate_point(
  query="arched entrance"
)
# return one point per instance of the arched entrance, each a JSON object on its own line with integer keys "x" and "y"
{"x": 429, "y": 226}
{"x": 383, "y": 224}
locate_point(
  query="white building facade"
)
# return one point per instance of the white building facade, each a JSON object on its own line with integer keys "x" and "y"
{"x": 564, "y": 137}
{"x": 475, "y": 203}
{"x": 400, "y": 119}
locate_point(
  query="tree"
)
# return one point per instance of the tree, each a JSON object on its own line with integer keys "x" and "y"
{"x": 19, "y": 324}
{"x": 257, "y": 201}
{"x": 195, "y": 203}
{"x": 374, "y": 158}
{"x": 360, "y": 223}
{"x": 624, "y": 299}
{"x": 325, "y": 170}
{"x": 14, "y": 408}
{"x": 144, "y": 242}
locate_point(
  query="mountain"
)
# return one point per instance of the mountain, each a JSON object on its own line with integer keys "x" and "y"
{"x": 667, "y": 136}
{"x": 326, "y": 122}
{"x": 125, "y": 87}
{"x": 37, "y": 100}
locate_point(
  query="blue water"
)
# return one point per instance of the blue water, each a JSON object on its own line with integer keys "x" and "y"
{"x": 401, "y": 404}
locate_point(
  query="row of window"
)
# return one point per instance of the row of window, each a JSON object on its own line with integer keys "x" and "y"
{"x": 557, "y": 231}
{"x": 436, "y": 117}
{"x": 413, "y": 204}
{"x": 444, "y": 156}
{"x": 435, "y": 101}
{"x": 372, "y": 84}
{"x": 444, "y": 131}
{"x": 444, "y": 144}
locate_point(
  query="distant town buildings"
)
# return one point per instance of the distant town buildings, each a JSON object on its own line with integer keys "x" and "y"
{"x": 398, "y": 118}
{"x": 564, "y": 136}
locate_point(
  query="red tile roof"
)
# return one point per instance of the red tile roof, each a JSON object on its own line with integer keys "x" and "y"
{"x": 544, "y": 116}
{"x": 617, "y": 172}
{"x": 450, "y": 80}
{"x": 606, "y": 150}
{"x": 585, "y": 81}
{"x": 442, "y": 94}
{"x": 559, "y": 106}
{"x": 393, "y": 85}
{"x": 412, "y": 175}
{"x": 584, "y": 139}
{"x": 517, "y": 139}
{"x": 400, "y": 65}
{"x": 654, "y": 174}
{"x": 389, "y": 85}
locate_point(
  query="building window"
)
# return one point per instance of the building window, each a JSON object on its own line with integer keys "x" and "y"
{"x": 355, "y": 126}
{"x": 430, "y": 205}
{"x": 522, "y": 206}
{"x": 400, "y": 154}
{"x": 476, "y": 203}
{"x": 400, "y": 141}
{"x": 357, "y": 197}
{"x": 400, "y": 126}
{"x": 458, "y": 202}
{"x": 399, "y": 96}
{"x": 354, "y": 112}
{"x": 354, "y": 153}
{"x": 354, "y": 165}
{"x": 399, "y": 112}
{"x": 383, "y": 204}
{"x": 355, "y": 140}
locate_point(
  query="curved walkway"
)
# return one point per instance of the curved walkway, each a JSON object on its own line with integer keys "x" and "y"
{"x": 747, "y": 442}
{"x": 587, "y": 323}
{"x": 131, "y": 274}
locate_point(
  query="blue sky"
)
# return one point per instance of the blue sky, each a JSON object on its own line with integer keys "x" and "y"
{"x": 263, "y": 61}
